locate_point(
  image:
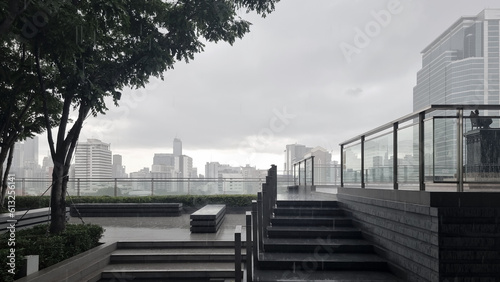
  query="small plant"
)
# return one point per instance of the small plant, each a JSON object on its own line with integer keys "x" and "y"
{"x": 77, "y": 238}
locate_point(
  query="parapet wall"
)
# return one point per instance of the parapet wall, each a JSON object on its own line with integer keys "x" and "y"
{"x": 430, "y": 236}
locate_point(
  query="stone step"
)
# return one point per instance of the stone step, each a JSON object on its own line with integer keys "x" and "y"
{"x": 328, "y": 221}
{"x": 305, "y": 203}
{"x": 175, "y": 244}
{"x": 317, "y": 245}
{"x": 174, "y": 255}
{"x": 313, "y": 232}
{"x": 307, "y": 211}
{"x": 317, "y": 261}
{"x": 207, "y": 271}
{"x": 331, "y": 276}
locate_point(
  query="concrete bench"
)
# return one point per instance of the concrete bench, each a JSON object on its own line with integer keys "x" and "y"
{"x": 208, "y": 219}
{"x": 32, "y": 218}
{"x": 126, "y": 209}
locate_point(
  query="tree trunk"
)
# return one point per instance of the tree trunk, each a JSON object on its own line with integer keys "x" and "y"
{"x": 58, "y": 198}
{"x": 4, "y": 176}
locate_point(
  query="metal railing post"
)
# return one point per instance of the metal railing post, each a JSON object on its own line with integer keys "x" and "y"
{"x": 342, "y": 165}
{"x": 152, "y": 187}
{"x": 249, "y": 246}
{"x": 395, "y": 184}
{"x": 312, "y": 171}
{"x": 421, "y": 148}
{"x": 237, "y": 254}
{"x": 460, "y": 151}
{"x": 362, "y": 162}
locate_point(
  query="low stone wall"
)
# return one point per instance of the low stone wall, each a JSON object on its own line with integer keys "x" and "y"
{"x": 430, "y": 236}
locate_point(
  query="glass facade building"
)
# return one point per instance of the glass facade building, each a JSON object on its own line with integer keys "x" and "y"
{"x": 461, "y": 66}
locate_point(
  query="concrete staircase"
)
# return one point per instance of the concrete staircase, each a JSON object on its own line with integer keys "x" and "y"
{"x": 314, "y": 241}
{"x": 172, "y": 261}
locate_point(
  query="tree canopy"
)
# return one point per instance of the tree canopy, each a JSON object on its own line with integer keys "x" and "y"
{"x": 84, "y": 51}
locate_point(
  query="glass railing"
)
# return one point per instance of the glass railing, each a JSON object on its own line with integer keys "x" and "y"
{"x": 151, "y": 186}
{"x": 440, "y": 145}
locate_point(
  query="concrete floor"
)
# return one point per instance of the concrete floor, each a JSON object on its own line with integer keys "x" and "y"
{"x": 177, "y": 228}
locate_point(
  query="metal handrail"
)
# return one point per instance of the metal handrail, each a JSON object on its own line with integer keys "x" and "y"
{"x": 418, "y": 117}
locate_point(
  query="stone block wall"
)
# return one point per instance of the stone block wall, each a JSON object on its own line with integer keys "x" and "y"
{"x": 430, "y": 236}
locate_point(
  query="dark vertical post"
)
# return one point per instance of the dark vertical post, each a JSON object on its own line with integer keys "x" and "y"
{"x": 294, "y": 179}
{"x": 305, "y": 172}
{"x": 312, "y": 171}
{"x": 299, "y": 173}
{"x": 395, "y": 156}
{"x": 363, "y": 161}
{"x": 342, "y": 165}
{"x": 259, "y": 220}
{"x": 421, "y": 148}
{"x": 237, "y": 254}
{"x": 255, "y": 236}
{"x": 460, "y": 150}
{"x": 152, "y": 187}
{"x": 249, "y": 246}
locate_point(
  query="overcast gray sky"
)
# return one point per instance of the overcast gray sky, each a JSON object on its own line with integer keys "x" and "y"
{"x": 304, "y": 74}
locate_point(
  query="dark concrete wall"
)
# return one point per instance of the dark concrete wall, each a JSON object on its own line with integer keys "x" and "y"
{"x": 430, "y": 236}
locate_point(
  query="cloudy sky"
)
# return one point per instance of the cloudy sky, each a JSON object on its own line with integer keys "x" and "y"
{"x": 314, "y": 72}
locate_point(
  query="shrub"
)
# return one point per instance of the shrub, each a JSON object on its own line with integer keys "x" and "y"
{"x": 34, "y": 202}
{"x": 77, "y": 238}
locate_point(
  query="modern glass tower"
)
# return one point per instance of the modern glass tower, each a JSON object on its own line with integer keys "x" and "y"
{"x": 461, "y": 66}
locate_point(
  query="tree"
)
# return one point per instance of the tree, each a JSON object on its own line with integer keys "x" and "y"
{"x": 21, "y": 111}
{"x": 90, "y": 50}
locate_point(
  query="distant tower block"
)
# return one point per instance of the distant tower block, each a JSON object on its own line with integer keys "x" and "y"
{"x": 177, "y": 147}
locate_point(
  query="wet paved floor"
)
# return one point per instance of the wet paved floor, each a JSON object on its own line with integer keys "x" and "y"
{"x": 177, "y": 228}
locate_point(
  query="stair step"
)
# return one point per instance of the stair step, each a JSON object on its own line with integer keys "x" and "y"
{"x": 174, "y": 271}
{"x": 317, "y": 261}
{"x": 331, "y": 276}
{"x": 305, "y": 203}
{"x": 175, "y": 244}
{"x": 317, "y": 245}
{"x": 310, "y": 221}
{"x": 173, "y": 255}
{"x": 313, "y": 232}
{"x": 307, "y": 211}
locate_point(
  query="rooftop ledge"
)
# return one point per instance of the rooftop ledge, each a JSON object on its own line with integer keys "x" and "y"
{"x": 428, "y": 198}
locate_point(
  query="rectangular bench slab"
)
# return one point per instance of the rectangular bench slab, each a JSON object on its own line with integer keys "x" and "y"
{"x": 208, "y": 219}
{"x": 33, "y": 217}
{"x": 126, "y": 209}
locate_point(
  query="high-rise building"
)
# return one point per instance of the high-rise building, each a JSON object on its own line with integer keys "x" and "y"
{"x": 294, "y": 153}
{"x": 92, "y": 160}
{"x": 461, "y": 66}
{"x": 177, "y": 147}
{"x": 118, "y": 167}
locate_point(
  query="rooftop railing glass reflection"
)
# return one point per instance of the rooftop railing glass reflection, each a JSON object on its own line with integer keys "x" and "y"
{"x": 437, "y": 148}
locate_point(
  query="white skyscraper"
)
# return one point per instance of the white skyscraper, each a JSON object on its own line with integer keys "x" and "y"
{"x": 92, "y": 160}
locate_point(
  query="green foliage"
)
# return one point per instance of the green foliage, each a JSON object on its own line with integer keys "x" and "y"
{"x": 34, "y": 202}
{"x": 52, "y": 249}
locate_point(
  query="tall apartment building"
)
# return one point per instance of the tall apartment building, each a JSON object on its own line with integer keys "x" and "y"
{"x": 461, "y": 66}
{"x": 177, "y": 147}
{"x": 92, "y": 160}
